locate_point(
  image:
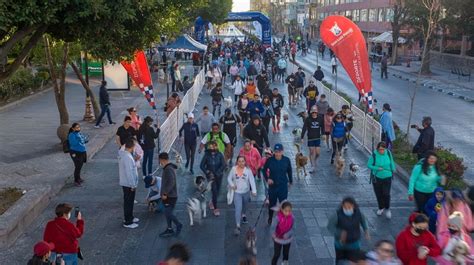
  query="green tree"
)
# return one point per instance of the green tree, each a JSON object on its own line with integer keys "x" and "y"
{"x": 400, "y": 12}
{"x": 214, "y": 11}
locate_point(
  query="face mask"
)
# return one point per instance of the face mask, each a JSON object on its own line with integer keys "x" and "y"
{"x": 452, "y": 231}
{"x": 419, "y": 230}
{"x": 348, "y": 212}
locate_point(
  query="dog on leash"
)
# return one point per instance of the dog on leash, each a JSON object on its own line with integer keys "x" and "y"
{"x": 228, "y": 102}
{"x": 285, "y": 118}
{"x": 353, "y": 169}
{"x": 297, "y": 134}
{"x": 197, "y": 204}
{"x": 251, "y": 240}
{"x": 300, "y": 161}
{"x": 340, "y": 164}
{"x": 303, "y": 115}
{"x": 177, "y": 157}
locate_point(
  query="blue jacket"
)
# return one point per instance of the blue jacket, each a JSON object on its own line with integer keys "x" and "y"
{"x": 191, "y": 133}
{"x": 77, "y": 142}
{"x": 253, "y": 106}
{"x": 387, "y": 125}
{"x": 280, "y": 172}
{"x": 431, "y": 204}
{"x": 338, "y": 129}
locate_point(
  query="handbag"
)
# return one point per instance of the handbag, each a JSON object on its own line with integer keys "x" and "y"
{"x": 79, "y": 251}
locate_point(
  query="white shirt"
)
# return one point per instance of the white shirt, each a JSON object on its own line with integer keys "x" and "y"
{"x": 333, "y": 61}
{"x": 243, "y": 183}
{"x": 239, "y": 87}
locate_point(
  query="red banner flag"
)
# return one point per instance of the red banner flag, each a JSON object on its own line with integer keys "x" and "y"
{"x": 140, "y": 74}
{"x": 345, "y": 39}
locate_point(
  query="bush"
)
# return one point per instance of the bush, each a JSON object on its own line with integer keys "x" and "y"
{"x": 452, "y": 167}
{"x": 21, "y": 83}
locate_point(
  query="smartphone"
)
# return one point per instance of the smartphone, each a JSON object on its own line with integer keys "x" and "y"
{"x": 76, "y": 211}
{"x": 413, "y": 126}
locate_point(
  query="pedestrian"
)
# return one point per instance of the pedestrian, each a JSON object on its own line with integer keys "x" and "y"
{"x": 256, "y": 132}
{"x": 128, "y": 175}
{"x": 178, "y": 254}
{"x": 238, "y": 86}
{"x": 241, "y": 180}
{"x": 234, "y": 72}
{"x": 205, "y": 121}
{"x": 243, "y": 72}
{"x": 300, "y": 79}
{"x": 104, "y": 104}
{"x": 345, "y": 225}
{"x": 230, "y": 122}
{"x": 136, "y": 121}
{"x": 328, "y": 120}
{"x": 146, "y": 137}
{"x": 262, "y": 81}
{"x": 277, "y": 104}
{"x": 242, "y": 107}
{"x": 311, "y": 94}
{"x": 255, "y": 106}
{"x": 216, "y": 135}
{"x": 191, "y": 134}
{"x": 282, "y": 64}
{"x": 280, "y": 178}
{"x": 384, "y": 66}
{"x": 251, "y": 89}
{"x": 172, "y": 70}
{"x": 153, "y": 197}
{"x": 42, "y": 253}
{"x": 382, "y": 166}
{"x": 314, "y": 126}
{"x": 291, "y": 81}
{"x": 433, "y": 207}
{"x": 125, "y": 132}
{"x": 173, "y": 101}
{"x": 267, "y": 114}
{"x": 338, "y": 135}
{"x": 415, "y": 243}
{"x": 318, "y": 74}
{"x": 217, "y": 97}
{"x": 169, "y": 195}
{"x": 213, "y": 166}
{"x": 334, "y": 65}
{"x": 453, "y": 239}
{"x": 64, "y": 235}
{"x": 187, "y": 84}
{"x": 454, "y": 202}
{"x": 388, "y": 132}
{"x": 77, "y": 150}
{"x": 323, "y": 107}
{"x": 251, "y": 155}
{"x": 425, "y": 142}
{"x": 383, "y": 254}
{"x": 425, "y": 178}
{"x": 283, "y": 234}
{"x": 349, "y": 120}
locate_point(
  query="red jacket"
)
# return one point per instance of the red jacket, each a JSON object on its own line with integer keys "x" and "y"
{"x": 407, "y": 246}
{"x": 63, "y": 234}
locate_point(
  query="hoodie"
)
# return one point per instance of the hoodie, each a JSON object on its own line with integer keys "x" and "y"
{"x": 252, "y": 157}
{"x": 407, "y": 246}
{"x": 128, "y": 174}
{"x": 168, "y": 181}
{"x": 256, "y": 133}
{"x": 432, "y": 207}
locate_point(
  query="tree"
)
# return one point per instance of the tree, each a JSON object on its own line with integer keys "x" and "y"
{"x": 214, "y": 11}
{"x": 400, "y": 13}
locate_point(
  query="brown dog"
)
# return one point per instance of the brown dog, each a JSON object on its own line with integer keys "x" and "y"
{"x": 300, "y": 161}
{"x": 340, "y": 164}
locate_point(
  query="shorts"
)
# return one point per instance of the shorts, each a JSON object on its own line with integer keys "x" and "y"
{"x": 277, "y": 111}
{"x": 314, "y": 143}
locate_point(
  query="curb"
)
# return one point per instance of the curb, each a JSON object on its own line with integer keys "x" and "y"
{"x": 27, "y": 98}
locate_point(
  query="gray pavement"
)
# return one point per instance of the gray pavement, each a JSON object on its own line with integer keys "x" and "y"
{"x": 451, "y": 131}
{"x": 212, "y": 242}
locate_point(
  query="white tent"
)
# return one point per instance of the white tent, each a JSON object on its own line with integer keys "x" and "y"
{"x": 386, "y": 37}
{"x": 231, "y": 32}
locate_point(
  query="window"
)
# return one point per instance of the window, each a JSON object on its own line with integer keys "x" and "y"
{"x": 381, "y": 15}
{"x": 372, "y": 15}
{"x": 337, "y": 2}
{"x": 363, "y": 15}
{"x": 355, "y": 15}
{"x": 389, "y": 15}
{"x": 348, "y": 13}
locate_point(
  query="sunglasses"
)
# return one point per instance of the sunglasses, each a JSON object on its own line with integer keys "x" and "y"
{"x": 387, "y": 250}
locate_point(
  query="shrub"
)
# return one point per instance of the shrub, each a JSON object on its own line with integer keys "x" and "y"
{"x": 452, "y": 167}
{"x": 19, "y": 84}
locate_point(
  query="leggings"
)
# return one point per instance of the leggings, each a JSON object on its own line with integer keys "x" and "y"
{"x": 337, "y": 145}
{"x": 79, "y": 158}
{"x": 215, "y": 188}
{"x": 382, "y": 192}
{"x": 240, "y": 202}
{"x": 421, "y": 199}
{"x": 277, "y": 250}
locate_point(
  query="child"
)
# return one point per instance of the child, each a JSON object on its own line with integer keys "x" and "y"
{"x": 153, "y": 198}
{"x": 433, "y": 206}
{"x": 283, "y": 233}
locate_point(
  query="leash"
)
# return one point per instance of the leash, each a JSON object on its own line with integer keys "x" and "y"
{"x": 260, "y": 214}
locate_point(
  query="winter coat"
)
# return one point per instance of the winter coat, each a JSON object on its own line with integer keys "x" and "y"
{"x": 213, "y": 162}
{"x": 77, "y": 142}
{"x": 252, "y": 158}
{"x": 407, "y": 246}
{"x": 168, "y": 181}
{"x": 387, "y": 125}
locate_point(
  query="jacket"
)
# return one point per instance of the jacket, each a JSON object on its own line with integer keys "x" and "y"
{"x": 252, "y": 157}
{"x": 311, "y": 92}
{"x": 314, "y": 128}
{"x": 284, "y": 229}
{"x": 280, "y": 172}
{"x": 407, "y": 246}
{"x": 168, "y": 181}
{"x": 104, "y": 96}
{"x": 128, "y": 174}
{"x": 216, "y": 95}
{"x": 262, "y": 82}
{"x": 234, "y": 70}
{"x": 277, "y": 101}
{"x": 238, "y": 87}
{"x": 422, "y": 182}
{"x": 63, "y": 234}
{"x": 213, "y": 162}
{"x": 267, "y": 111}
{"x": 387, "y": 125}
{"x": 327, "y": 122}
{"x": 339, "y": 222}
{"x": 77, "y": 142}
{"x": 338, "y": 129}
{"x": 244, "y": 183}
{"x": 432, "y": 207}
{"x": 322, "y": 107}
{"x": 443, "y": 217}
{"x": 255, "y": 108}
{"x": 384, "y": 161}
{"x": 425, "y": 141}
{"x": 257, "y": 134}
{"x": 282, "y": 63}
{"x": 318, "y": 75}
{"x": 299, "y": 78}
{"x": 251, "y": 90}
{"x": 205, "y": 122}
{"x": 147, "y": 136}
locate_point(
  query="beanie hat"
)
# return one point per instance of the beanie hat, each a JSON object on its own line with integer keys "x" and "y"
{"x": 456, "y": 219}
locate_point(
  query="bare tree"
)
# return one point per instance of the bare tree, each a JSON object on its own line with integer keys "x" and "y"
{"x": 433, "y": 8}
{"x": 400, "y": 12}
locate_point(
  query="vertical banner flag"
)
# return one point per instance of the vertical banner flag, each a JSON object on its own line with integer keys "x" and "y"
{"x": 140, "y": 74}
{"x": 345, "y": 39}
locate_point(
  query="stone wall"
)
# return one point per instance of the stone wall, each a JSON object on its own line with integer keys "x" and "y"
{"x": 447, "y": 60}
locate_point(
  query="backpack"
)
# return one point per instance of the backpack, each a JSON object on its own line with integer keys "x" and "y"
{"x": 373, "y": 178}
{"x": 220, "y": 144}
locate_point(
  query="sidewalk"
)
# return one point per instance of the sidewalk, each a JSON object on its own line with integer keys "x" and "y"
{"x": 314, "y": 197}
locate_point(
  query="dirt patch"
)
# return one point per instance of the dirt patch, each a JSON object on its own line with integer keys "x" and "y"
{"x": 8, "y": 196}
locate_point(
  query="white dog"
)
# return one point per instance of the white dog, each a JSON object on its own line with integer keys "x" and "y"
{"x": 197, "y": 203}
{"x": 228, "y": 102}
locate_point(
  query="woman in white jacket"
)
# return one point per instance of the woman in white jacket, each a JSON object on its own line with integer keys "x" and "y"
{"x": 238, "y": 87}
{"x": 242, "y": 181}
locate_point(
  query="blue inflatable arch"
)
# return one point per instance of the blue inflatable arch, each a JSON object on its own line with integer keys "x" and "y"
{"x": 255, "y": 16}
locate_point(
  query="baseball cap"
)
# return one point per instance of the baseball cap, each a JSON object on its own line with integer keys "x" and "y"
{"x": 191, "y": 115}
{"x": 278, "y": 147}
{"x": 42, "y": 248}
{"x": 314, "y": 109}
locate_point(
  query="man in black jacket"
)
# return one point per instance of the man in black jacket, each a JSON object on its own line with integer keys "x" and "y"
{"x": 255, "y": 131}
{"x": 314, "y": 126}
{"x": 425, "y": 141}
{"x": 262, "y": 81}
{"x": 291, "y": 81}
{"x": 104, "y": 104}
{"x": 191, "y": 133}
{"x": 169, "y": 195}
{"x": 146, "y": 138}
{"x": 277, "y": 104}
{"x": 318, "y": 74}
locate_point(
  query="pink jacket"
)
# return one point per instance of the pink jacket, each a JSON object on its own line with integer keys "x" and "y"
{"x": 252, "y": 158}
{"x": 443, "y": 216}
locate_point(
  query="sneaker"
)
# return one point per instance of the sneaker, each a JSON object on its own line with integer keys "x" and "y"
{"x": 217, "y": 212}
{"x": 178, "y": 229}
{"x": 388, "y": 214}
{"x": 131, "y": 226}
{"x": 346, "y": 147}
{"x": 97, "y": 126}
{"x": 113, "y": 123}
{"x": 311, "y": 171}
{"x": 167, "y": 233}
{"x": 191, "y": 171}
{"x": 380, "y": 212}
{"x": 211, "y": 206}
{"x": 244, "y": 220}
{"x": 274, "y": 130}
{"x": 81, "y": 180}
{"x": 237, "y": 231}
{"x": 186, "y": 165}
{"x": 135, "y": 220}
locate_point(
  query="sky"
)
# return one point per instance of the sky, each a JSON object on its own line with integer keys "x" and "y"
{"x": 240, "y": 5}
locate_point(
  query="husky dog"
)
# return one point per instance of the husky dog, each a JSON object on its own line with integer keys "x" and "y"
{"x": 251, "y": 240}
{"x": 228, "y": 102}
{"x": 300, "y": 161}
{"x": 296, "y": 134}
{"x": 177, "y": 157}
{"x": 197, "y": 203}
{"x": 353, "y": 169}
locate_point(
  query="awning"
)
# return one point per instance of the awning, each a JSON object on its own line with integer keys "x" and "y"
{"x": 386, "y": 37}
{"x": 184, "y": 44}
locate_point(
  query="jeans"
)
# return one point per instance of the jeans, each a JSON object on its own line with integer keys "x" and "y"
{"x": 169, "y": 204}
{"x": 216, "y": 105}
{"x": 69, "y": 258}
{"x": 382, "y": 192}
{"x": 147, "y": 161}
{"x": 277, "y": 250}
{"x": 79, "y": 158}
{"x": 240, "y": 202}
{"x": 383, "y": 72}
{"x": 104, "y": 108}
{"x": 190, "y": 150}
{"x": 173, "y": 84}
{"x": 215, "y": 189}
{"x": 421, "y": 198}
{"x": 128, "y": 201}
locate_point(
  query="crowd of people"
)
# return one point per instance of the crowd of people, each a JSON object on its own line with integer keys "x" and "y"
{"x": 438, "y": 229}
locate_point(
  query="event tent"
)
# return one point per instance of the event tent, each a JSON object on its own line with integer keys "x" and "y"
{"x": 184, "y": 44}
{"x": 386, "y": 37}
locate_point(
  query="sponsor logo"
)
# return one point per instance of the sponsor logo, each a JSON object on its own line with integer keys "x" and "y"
{"x": 336, "y": 30}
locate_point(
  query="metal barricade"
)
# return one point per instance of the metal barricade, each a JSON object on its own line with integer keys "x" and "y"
{"x": 373, "y": 133}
